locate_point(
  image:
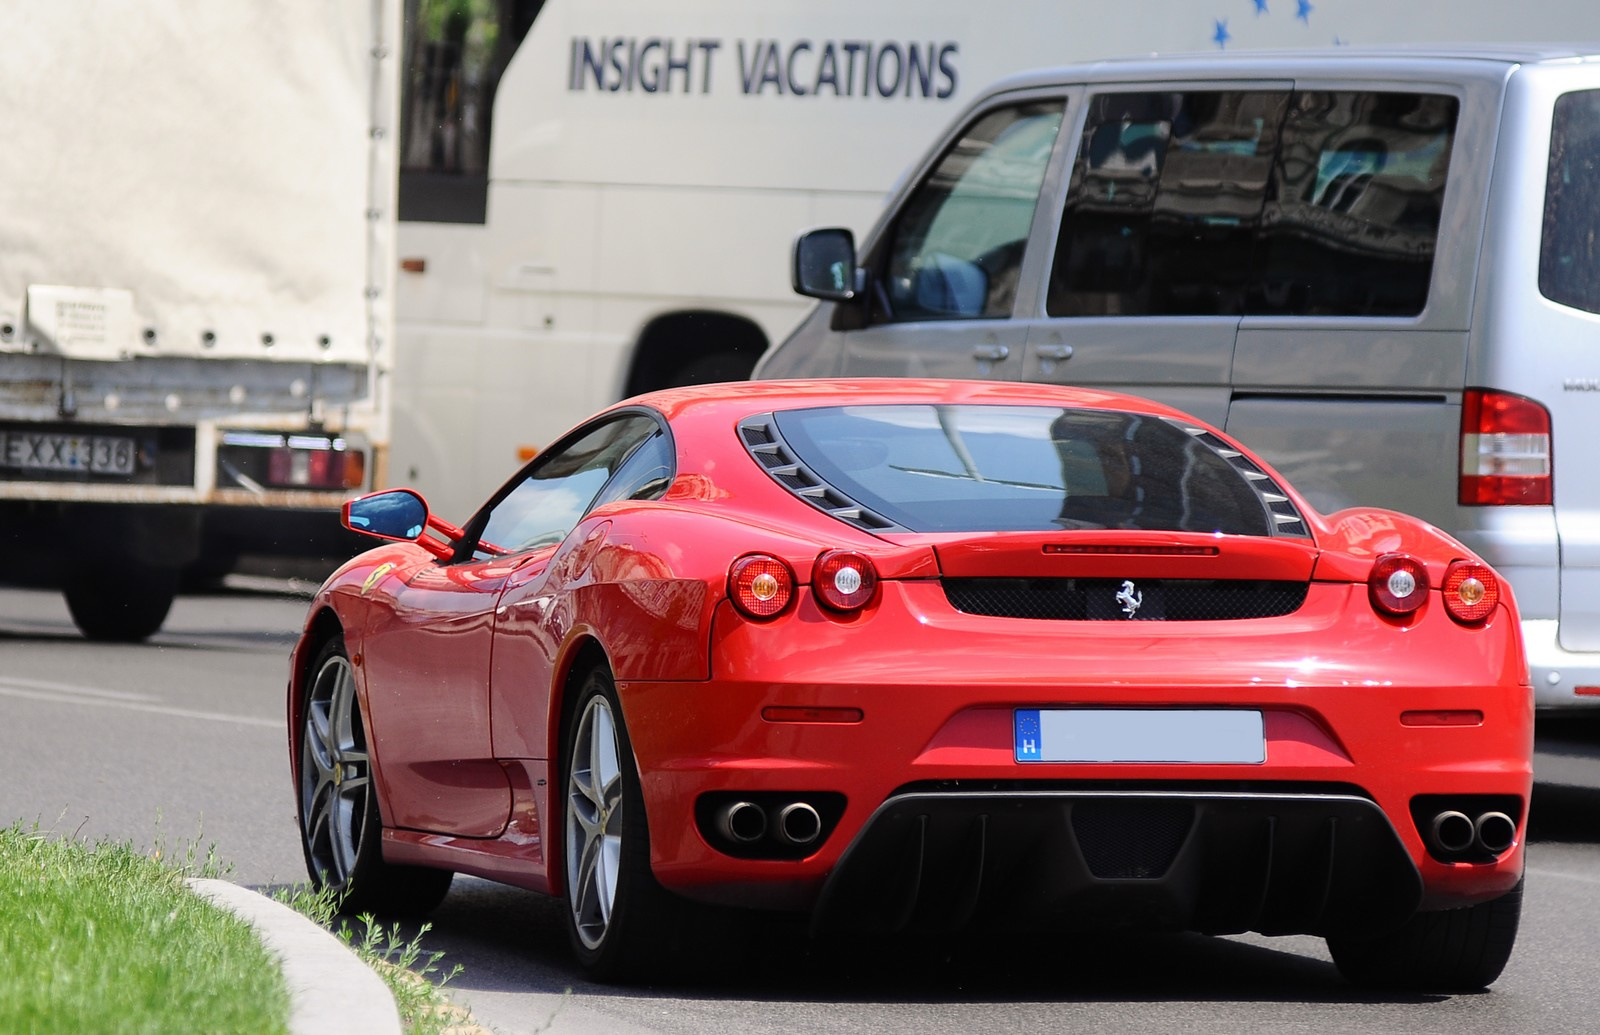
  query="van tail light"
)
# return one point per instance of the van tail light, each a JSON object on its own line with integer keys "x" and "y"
{"x": 1505, "y": 451}
{"x": 1471, "y": 591}
{"x": 760, "y": 585}
{"x": 844, "y": 580}
{"x": 1398, "y": 585}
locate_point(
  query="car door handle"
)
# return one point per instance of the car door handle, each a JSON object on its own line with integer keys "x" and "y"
{"x": 1055, "y": 353}
{"x": 990, "y": 353}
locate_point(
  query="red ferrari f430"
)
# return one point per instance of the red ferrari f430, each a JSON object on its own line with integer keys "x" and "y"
{"x": 918, "y": 656}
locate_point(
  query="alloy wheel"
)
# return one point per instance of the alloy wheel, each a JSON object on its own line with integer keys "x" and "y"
{"x": 594, "y": 822}
{"x": 335, "y": 774}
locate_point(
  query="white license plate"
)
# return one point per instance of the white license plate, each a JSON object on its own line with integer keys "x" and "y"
{"x": 49, "y": 451}
{"x": 1140, "y": 735}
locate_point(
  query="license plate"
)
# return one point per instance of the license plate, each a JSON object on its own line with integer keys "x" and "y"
{"x": 49, "y": 451}
{"x": 1140, "y": 735}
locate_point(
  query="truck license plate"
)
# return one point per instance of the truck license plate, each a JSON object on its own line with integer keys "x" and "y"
{"x": 49, "y": 451}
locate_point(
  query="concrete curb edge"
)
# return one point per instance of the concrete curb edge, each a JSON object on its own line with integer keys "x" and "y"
{"x": 331, "y": 991}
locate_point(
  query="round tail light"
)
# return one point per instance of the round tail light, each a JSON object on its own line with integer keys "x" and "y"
{"x": 1398, "y": 584}
{"x": 844, "y": 580}
{"x": 759, "y": 585}
{"x": 1471, "y": 591}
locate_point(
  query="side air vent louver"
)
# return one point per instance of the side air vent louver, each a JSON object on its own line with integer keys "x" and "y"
{"x": 1286, "y": 518}
{"x": 761, "y": 436}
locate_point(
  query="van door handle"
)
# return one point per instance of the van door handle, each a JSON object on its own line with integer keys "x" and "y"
{"x": 1054, "y": 353}
{"x": 990, "y": 353}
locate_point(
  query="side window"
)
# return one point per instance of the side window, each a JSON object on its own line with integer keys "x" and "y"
{"x": 455, "y": 53}
{"x": 560, "y": 487}
{"x": 1569, "y": 255}
{"x": 956, "y": 250}
{"x": 1163, "y": 204}
{"x": 1352, "y": 215}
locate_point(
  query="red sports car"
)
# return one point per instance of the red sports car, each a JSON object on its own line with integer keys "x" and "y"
{"x": 923, "y": 656}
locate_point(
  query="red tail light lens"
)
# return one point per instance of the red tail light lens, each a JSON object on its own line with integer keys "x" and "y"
{"x": 1505, "y": 451}
{"x": 759, "y": 585}
{"x": 1398, "y": 584}
{"x": 1471, "y": 591}
{"x": 844, "y": 580}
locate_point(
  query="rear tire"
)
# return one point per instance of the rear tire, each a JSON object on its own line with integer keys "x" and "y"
{"x": 618, "y": 918}
{"x": 1452, "y": 950}
{"x": 341, "y": 830}
{"x": 122, "y": 603}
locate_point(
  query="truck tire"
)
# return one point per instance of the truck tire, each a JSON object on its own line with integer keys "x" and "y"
{"x": 125, "y": 603}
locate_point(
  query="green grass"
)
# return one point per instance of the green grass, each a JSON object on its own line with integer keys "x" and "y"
{"x": 99, "y": 937}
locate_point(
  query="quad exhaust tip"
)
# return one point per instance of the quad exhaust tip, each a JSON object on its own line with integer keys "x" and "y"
{"x": 799, "y": 823}
{"x": 742, "y": 821}
{"x": 1454, "y": 833}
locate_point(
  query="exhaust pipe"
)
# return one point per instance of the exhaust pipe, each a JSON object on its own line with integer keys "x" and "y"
{"x": 799, "y": 824}
{"x": 1495, "y": 832}
{"x": 1453, "y": 831}
{"x": 742, "y": 821}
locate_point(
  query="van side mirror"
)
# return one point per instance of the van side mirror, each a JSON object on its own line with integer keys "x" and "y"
{"x": 825, "y": 265}
{"x": 395, "y": 514}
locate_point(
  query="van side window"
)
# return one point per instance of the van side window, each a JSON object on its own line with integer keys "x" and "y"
{"x": 1352, "y": 212}
{"x": 956, "y": 250}
{"x": 1165, "y": 196}
{"x": 1569, "y": 254}
{"x": 1221, "y": 203}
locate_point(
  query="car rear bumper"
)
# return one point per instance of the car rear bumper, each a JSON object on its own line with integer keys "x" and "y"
{"x": 1362, "y": 722}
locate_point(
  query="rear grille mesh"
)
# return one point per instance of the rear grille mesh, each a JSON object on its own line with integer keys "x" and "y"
{"x": 1172, "y": 600}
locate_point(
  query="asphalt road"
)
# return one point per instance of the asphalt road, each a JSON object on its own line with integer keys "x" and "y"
{"x": 179, "y": 743}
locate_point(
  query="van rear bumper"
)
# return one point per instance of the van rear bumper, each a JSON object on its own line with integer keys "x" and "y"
{"x": 1561, "y": 678}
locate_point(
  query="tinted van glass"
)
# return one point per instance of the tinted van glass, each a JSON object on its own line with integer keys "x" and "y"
{"x": 1208, "y": 203}
{"x": 957, "y": 248}
{"x": 1569, "y": 255}
{"x": 1023, "y": 468}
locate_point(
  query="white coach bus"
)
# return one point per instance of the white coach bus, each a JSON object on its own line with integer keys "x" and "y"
{"x": 598, "y": 197}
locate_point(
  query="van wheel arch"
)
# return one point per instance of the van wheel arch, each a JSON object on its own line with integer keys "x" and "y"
{"x": 694, "y": 347}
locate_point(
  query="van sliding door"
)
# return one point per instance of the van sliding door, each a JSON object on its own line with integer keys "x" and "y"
{"x": 1349, "y": 362}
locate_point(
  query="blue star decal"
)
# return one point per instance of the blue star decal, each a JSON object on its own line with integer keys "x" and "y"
{"x": 1221, "y": 36}
{"x": 1261, "y": 7}
{"x": 1303, "y": 11}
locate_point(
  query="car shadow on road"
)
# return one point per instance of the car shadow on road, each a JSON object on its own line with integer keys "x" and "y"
{"x": 509, "y": 940}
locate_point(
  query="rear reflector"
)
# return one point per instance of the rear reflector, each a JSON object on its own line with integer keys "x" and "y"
{"x": 1587, "y": 691}
{"x": 834, "y": 715}
{"x": 1505, "y": 450}
{"x": 1441, "y": 718}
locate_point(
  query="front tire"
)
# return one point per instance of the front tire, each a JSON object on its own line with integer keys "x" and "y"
{"x": 1452, "y": 950}
{"x": 340, "y": 827}
{"x": 616, "y": 913}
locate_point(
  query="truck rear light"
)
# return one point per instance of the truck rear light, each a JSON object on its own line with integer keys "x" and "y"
{"x": 760, "y": 585}
{"x": 1398, "y": 585}
{"x": 1505, "y": 451}
{"x": 844, "y": 580}
{"x": 1471, "y": 591}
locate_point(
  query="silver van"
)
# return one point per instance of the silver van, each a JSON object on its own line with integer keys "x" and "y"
{"x": 1379, "y": 268}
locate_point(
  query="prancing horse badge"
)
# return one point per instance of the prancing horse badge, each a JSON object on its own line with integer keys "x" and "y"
{"x": 1130, "y": 599}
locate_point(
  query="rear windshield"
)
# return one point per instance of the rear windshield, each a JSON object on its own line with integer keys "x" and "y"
{"x": 1023, "y": 468}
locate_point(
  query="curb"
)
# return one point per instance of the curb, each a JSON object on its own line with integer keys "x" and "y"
{"x": 331, "y": 992}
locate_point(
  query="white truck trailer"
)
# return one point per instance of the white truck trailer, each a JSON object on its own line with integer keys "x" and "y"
{"x": 196, "y": 271}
